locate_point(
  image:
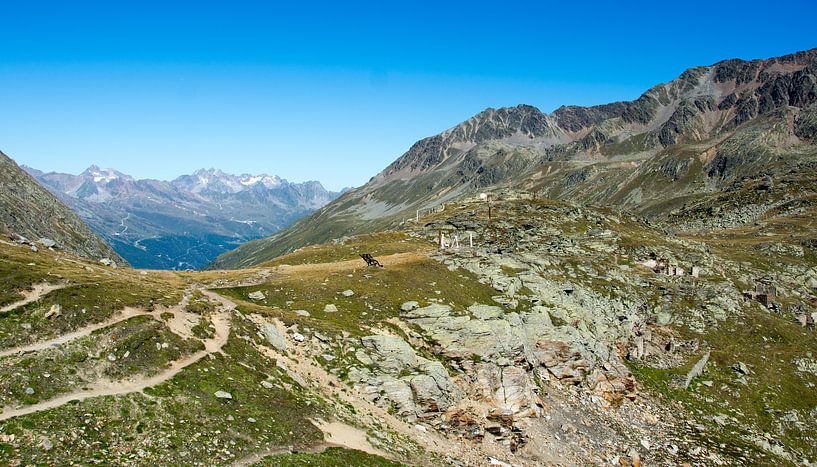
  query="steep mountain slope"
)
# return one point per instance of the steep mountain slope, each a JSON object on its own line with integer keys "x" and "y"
{"x": 29, "y": 210}
{"x": 701, "y": 133}
{"x": 187, "y": 222}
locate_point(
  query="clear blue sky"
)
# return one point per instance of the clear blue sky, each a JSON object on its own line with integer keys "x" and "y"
{"x": 333, "y": 91}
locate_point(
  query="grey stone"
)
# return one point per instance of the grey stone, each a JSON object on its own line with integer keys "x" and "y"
{"x": 46, "y": 444}
{"x": 330, "y": 308}
{"x": 223, "y": 395}
{"x": 389, "y": 353}
{"x": 486, "y": 311}
{"x": 273, "y": 336}
{"x": 696, "y": 370}
{"x": 741, "y": 368}
{"x": 54, "y": 311}
{"x": 663, "y": 318}
{"x": 347, "y": 293}
{"x": 257, "y": 295}
{"x": 48, "y": 243}
{"x": 408, "y": 306}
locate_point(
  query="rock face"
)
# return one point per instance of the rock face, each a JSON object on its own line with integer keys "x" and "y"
{"x": 416, "y": 387}
{"x": 737, "y": 113}
{"x": 508, "y": 350}
{"x": 27, "y": 209}
{"x": 576, "y": 304}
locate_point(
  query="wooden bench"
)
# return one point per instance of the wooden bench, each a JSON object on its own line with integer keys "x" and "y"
{"x": 370, "y": 261}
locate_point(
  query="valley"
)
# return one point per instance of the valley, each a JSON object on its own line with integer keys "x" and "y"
{"x": 185, "y": 223}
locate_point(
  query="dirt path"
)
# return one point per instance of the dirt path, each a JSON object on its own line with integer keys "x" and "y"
{"x": 221, "y": 321}
{"x": 341, "y": 434}
{"x": 337, "y": 435}
{"x": 256, "y": 457}
{"x": 125, "y": 315}
{"x": 37, "y": 291}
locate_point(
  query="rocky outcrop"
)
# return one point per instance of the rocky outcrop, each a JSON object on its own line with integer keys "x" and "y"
{"x": 397, "y": 377}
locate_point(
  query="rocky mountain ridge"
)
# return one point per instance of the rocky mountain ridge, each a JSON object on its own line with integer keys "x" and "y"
{"x": 29, "y": 211}
{"x": 186, "y": 222}
{"x": 680, "y": 141}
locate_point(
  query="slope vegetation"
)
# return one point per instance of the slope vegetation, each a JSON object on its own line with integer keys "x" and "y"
{"x": 550, "y": 335}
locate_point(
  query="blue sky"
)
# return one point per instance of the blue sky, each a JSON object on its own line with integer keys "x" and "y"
{"x": 334, "y": 91}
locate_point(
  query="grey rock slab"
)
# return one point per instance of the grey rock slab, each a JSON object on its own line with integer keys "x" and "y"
{"x": 48, "y": 243}
{"x": 409, "y": 306}
{"x": 389, "y": 353}
{"x": 696, "y": 370}
{"x": 274, "y": 336}
{"x": 257, "y": 295}
{"x": 486, "y": 311}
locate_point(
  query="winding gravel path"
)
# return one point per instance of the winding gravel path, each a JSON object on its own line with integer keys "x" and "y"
{"x": 221, "y": 321}
{"x": 36, "y": 292}
{"x": 125, "y": 315}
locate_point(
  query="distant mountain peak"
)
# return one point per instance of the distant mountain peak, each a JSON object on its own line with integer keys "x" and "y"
{"x": 186, "y": 222}
{"x": 216, "y": 180}
{"x": 99, "y": 175}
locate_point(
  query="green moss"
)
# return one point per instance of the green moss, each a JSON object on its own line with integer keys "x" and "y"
{"x": 88, "y": 297}
{"x": 768, "y": 345}
{"x": 378, "y": 294}
{"x": 379, "y": 244}
{"x": 199, "y": 304}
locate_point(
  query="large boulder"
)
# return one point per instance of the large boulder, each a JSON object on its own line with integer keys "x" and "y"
{"x": 389, "y": 354}
{"x": 274, "y": 336}
{"x": 399, "y": 378}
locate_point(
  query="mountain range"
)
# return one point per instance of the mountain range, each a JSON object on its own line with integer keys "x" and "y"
{"x": 184, "y": 223}
{"x": 704, "y": 132}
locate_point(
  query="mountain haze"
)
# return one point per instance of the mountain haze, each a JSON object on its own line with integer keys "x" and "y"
{"x": 187, "y": 222}
{"x": 698, "y": 134}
